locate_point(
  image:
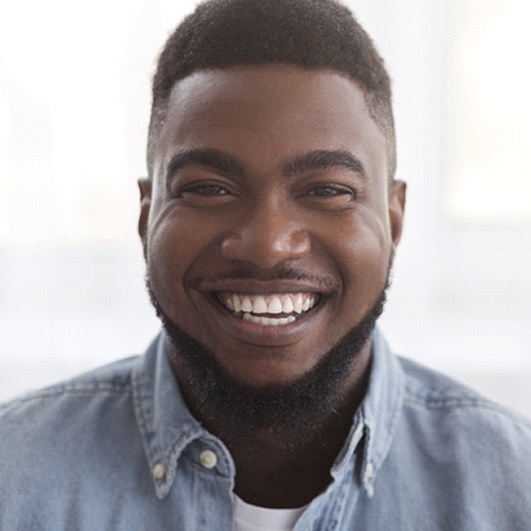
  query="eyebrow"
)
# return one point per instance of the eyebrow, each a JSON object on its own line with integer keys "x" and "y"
{"x": 322, "y": 160}
{"x": 212, "y": 158}
{"x": 225, "y": 163}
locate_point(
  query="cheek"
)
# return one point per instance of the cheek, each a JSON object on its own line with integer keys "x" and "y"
{"x": 362, "y": 248}
{"x": 173, "y": 247}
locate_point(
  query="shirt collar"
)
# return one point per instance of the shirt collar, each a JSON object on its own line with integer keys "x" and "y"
{"x": 381, "y": 409}
{"x": 167, "y": 427}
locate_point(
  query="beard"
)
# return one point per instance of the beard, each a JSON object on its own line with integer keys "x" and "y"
{"x": 291, "y": 411}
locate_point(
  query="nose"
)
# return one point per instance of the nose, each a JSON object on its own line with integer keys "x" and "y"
{"x": 266, "y": 237}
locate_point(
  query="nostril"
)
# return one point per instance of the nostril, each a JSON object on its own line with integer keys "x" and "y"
{"x": 265, "y": 247}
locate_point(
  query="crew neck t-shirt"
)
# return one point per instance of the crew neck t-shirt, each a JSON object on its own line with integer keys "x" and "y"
{"x": 249, "y": 517}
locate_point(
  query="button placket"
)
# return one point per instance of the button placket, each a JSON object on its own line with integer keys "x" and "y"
{"x": 159, "y": 471}
{"x": 208, "y": 459}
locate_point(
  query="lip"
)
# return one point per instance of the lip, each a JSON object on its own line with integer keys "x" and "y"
{"x": 257, "y": 287}
{"x": 253, "y": 333}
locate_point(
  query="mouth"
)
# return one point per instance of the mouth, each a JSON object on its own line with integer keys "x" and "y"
{"x": 275, "y": 309}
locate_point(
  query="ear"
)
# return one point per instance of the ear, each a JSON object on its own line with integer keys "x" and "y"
{"x": 397, "y": 205}
{"x": 144, "y": 184}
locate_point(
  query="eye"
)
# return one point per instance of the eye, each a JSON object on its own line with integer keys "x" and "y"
{"x": 330, "y": 190}
{"x": 329, "y": 196}
{"x": 205, "y": 194}
{"x": 205, "y": 190}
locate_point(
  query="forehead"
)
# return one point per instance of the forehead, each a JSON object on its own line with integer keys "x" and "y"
{"x": 269, "y": 113}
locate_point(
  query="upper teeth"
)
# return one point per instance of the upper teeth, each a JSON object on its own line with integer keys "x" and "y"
{"x": 286, "y": 303}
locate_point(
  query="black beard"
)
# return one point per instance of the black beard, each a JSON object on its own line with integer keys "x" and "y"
{"x": 290, "y": 411}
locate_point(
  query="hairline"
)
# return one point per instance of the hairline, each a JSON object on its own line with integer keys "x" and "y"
{"x": 383, "y": 118}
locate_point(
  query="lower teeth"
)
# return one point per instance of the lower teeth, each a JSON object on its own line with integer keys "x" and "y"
{"x": 268, "y": 321}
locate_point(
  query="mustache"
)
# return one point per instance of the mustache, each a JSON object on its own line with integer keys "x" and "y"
{"x": 327, "y": 282}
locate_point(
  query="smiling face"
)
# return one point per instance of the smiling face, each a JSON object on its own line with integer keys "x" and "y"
{"x": 270, "y": 223}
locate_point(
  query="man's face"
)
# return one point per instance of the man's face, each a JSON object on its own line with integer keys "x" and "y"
{"x": 270, "y": 224}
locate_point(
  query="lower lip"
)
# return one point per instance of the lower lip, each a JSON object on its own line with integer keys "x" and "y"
{"x": 258, "y": 334}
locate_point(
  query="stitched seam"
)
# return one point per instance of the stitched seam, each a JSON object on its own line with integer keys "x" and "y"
{"x": 441, "y": 403}
{"x": 392, "y": 428}
{"x": 459, "y": 404}
{"x": 69, "y": 390}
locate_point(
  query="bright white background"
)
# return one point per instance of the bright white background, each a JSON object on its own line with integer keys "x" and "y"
{"x": 74, "y": 105}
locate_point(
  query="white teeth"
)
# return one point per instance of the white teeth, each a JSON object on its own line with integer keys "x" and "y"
{"x": 297, "y": 305}
{"x": 287, "y": 307}
{"x": 236, "y": 303}
{"x": 259, "y": 305}
{"x": 247, "y": 305}
{"x": 268, "y": 321}
{"x": 275, "y": 306}
{"x": 254, "y": 306}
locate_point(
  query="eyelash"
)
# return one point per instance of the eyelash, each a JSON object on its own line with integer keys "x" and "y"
{"x": 205, "y": 190}
{"x": 319, "y": 195}
{"x": 331, "y": 191}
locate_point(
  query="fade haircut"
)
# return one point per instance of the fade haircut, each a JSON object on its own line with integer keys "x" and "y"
{"x": 311, "y": 34}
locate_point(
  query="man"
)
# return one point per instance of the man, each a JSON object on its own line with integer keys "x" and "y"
{"x": 269, "y": 222}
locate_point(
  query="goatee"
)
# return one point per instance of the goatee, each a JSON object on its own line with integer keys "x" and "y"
{"x": 289, "y": 411}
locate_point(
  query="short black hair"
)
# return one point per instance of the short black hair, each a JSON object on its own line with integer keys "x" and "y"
{"x": 312, "y": 34}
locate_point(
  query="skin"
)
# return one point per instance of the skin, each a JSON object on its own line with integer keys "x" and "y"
{"x": 211, "y": 229}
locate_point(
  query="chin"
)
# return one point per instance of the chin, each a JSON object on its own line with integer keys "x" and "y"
{"x": 248, "y": 404}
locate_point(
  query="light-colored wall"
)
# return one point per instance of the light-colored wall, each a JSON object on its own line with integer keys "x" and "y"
{"x": 74, "y": 103}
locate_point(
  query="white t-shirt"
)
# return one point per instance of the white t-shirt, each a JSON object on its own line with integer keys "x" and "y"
{"x": 249, "y": 517}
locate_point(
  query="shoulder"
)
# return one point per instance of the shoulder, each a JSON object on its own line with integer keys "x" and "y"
{"x": 115, "y": 376}
{"x": 40, "y": 412}
{"x": 457, "y": 460}
{"x": 431, "y": 390}
{"x": 64, "y": 445}
{"x": 457, "y": 420}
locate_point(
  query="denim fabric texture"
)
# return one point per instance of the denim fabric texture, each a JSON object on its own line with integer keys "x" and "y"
{"x": 116, "y": 449}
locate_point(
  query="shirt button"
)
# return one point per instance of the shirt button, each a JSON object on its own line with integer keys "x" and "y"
{"x": 369, "y": 471}
{"x": 159, "y": 471}
{"x": 208, "y": 459}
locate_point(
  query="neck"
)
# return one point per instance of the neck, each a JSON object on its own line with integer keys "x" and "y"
{"x": 289, "y": 475}
{"x": 275, "y": 466}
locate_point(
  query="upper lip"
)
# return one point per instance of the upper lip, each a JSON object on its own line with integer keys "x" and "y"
{"x": 258, "y": 287}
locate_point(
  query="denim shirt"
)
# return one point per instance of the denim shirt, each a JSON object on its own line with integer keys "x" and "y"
{"x": 117, "y": 449}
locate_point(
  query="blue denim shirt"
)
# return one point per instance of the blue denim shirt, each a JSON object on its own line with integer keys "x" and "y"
{"x": 117, "y": 449}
